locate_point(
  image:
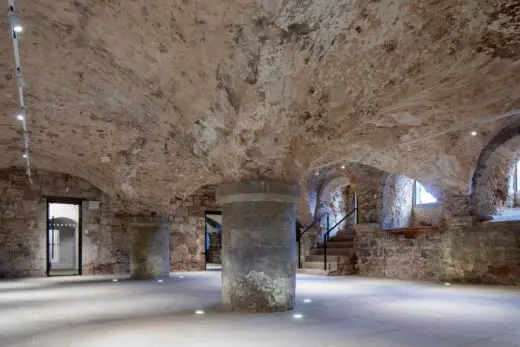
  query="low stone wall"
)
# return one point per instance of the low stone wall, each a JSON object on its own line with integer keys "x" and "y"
{"x": 428, "y": 215}
{"x": 487, "y": 253}
{"x": 187, "y": 249}
{"x": 23, "y": 225}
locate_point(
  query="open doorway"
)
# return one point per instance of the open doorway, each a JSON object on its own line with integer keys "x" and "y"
{"x": 213, "y": 240}
{"x": 63, "y": 237}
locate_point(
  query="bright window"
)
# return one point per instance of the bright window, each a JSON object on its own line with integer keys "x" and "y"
{"x": 422, "y": 196}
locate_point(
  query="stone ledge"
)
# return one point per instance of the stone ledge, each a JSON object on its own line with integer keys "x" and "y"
{"x": 411, "y": 232}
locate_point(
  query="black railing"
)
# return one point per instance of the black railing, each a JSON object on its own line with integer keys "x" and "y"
{"x": 326, "y": 236}
{"x": 299, "y": 236}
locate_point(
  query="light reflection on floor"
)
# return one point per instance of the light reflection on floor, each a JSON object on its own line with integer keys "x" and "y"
{"x": 333, "y": 312}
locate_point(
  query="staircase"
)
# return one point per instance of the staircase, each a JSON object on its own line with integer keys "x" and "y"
{"x": 340, "y": 256}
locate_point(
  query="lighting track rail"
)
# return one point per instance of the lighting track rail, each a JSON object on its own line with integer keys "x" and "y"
{"x": 15, "y": 28}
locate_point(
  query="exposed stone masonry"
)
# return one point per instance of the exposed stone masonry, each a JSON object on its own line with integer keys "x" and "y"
{"x": 484, "y": 253}
{"x": 188, "y": 228}
{"x": 23, "y": 225}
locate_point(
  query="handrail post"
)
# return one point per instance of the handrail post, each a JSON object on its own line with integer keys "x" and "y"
{"x": 325, "y": 244}
{"x": 298, "y": 238}
{"x": 356, "y": 220}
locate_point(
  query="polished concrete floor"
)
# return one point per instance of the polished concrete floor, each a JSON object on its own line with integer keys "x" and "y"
{"x": 344, "y": 311}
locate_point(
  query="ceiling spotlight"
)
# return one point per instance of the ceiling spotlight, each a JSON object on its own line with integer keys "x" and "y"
{"x": 25, "y": 155}
{"x": 307, "y": 300}
{"x": 473, "y": 133}
{"x": 20, "y": 117}
{"x": 15, "y": 22}
{"x": 317, "y": 173}
{"x": 343, "y": 166}
{"x": 199, "y": 312}
{"x": 298, "y": 316}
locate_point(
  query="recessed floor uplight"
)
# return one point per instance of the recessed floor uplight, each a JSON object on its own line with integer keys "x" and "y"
{"x": 199, "y": 312}
{"x": 473, "y": 133}
{"x": 115, "y": 280}
{"x": 160, "y": 281}
{"x": 307, "y": 300}
{"x": 181, "y": 276}
{"x": 447, "y": 284}
{"x": 298, "y": 316}
{"x": 18, "y": 28}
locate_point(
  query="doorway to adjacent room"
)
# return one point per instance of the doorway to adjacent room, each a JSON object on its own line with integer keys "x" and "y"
{"x": 213, "y": 240}
{"x": 63, "y": 237}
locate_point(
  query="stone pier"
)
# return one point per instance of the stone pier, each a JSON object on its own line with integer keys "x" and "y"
{"x": 149, "y": 247}
{"x": 259, "y": 255}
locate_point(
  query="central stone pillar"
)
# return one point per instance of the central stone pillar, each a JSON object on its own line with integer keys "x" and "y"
{"x": 259, "y": 253}
{"x": 149, "y": 247}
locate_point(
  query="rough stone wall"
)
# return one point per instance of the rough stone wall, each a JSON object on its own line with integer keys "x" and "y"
{"x": 429, "y": 215}
{"x": 485, "y": 253}
{"x": 23, "y": 224}
{"x": 336, "y": 194}
{"x": 397, "y": 201}
{"x": 370, "y": 198}
{"x": 493, "y": 186}
{"x": 187, "y": 249}
{"x": 106, "y": 244}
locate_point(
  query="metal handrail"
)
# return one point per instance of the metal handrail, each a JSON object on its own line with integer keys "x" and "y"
{"x": 327, "y": 234}
{"x": 299, "y": 235}
{"x": 315, "y": 221}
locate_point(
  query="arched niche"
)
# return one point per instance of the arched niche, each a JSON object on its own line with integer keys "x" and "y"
{"x": 492, "y": 189}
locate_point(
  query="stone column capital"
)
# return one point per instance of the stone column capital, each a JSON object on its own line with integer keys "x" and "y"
{"x": 255, "y": 191}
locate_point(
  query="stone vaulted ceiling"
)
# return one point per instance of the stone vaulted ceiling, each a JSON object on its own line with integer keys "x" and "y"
{"x": 178, "y": 94}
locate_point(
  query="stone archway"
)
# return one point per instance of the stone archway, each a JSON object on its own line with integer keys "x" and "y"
{"x": 492, "y": 184}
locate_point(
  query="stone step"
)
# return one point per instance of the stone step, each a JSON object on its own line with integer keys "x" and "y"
{"x": 331, "y": 265}
{"x": 313, "y": 272}
{"x": 342, "y": 238}
{"x": 321, "y": 257}
{"x": 333, "y": 251}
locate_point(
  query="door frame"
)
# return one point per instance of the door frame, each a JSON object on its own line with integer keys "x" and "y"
{"x": 79, "y": 256}
{"x": 219, "y": 213}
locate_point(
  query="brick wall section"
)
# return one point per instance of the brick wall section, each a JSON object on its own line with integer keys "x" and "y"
{"x": 187, "y": 249}
{"x": 23, "y": 224}
{"x": 486, "y": 253}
